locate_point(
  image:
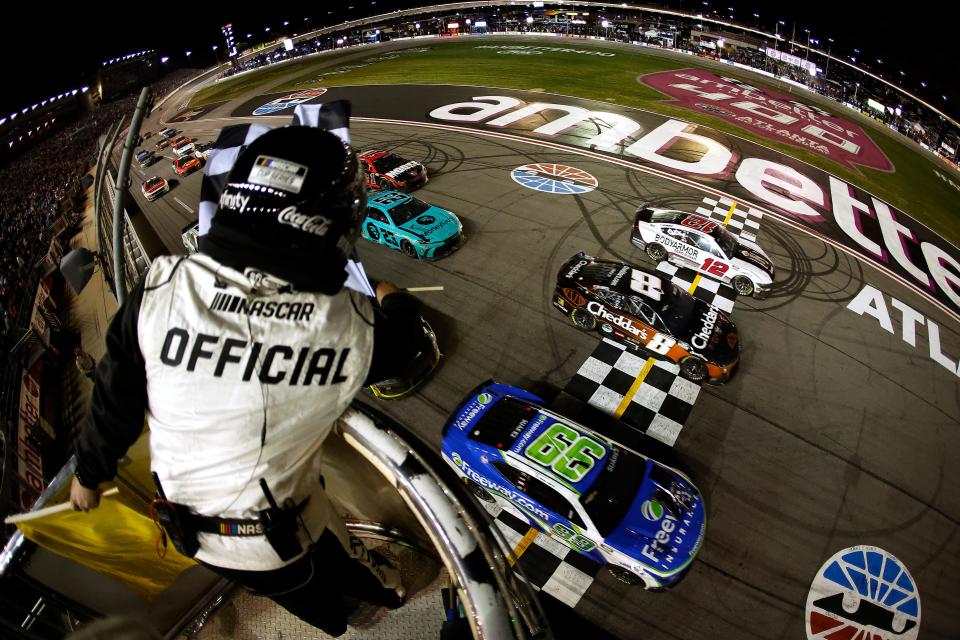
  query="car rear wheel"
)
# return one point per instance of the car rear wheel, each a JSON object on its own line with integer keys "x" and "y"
{"x": 743, "y": 285}
{"x": 582, "y": 319}
{"x": 478, "y": 491}
{"x": 657, "y": 252}
{"x": 383, "y": 183}
{"x": 693, "y": 369}
{"x": 408, "y": 249}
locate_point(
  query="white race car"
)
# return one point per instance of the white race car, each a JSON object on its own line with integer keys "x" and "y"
{"x": 693, "y": 241}
{"x": 154, "y": 187}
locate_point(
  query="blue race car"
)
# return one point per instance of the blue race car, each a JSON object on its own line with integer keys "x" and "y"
{"x": 642, "y": 518}
{"x": 418, "y": 229}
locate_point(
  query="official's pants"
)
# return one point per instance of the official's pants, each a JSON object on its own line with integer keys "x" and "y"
{"x": 312, "y": 587}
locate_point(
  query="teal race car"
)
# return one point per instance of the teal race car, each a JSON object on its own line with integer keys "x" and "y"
{"x": 404, "y": 223}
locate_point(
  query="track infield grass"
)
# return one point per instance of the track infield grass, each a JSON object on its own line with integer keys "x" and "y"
{"x": 913, "y": 188}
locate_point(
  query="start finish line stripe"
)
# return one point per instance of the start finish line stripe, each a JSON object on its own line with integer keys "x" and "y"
{"x": 733, "y": 207}
{"x": 522, "y": 546}
{"x": 633, "y": 389}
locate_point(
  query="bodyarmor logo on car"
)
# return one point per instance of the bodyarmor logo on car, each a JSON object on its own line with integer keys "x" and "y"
{"x": 676, "y": 245}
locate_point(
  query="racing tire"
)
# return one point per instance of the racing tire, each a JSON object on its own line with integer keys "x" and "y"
{"x": 657, "y": 252}
{"x": 743, "y": 286}
{"x": 693, "y": 369}
{"x": 478, "y": 491}
{"x": 582, "y": 319}
{"x": 384, "y": 184}
{"x": 408, "y": 249}
{"x": 625, "y": 576}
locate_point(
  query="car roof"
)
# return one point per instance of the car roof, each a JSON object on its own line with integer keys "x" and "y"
{"x": 500, "y": 429}
{"x": 616, "y": 276}
{"x": 389, "y": 199}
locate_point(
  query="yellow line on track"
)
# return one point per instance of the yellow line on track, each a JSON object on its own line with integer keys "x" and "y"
{"x": 693, "y": 285}
{"x": 733, "y": 207}
{"x": 521, "y": 547}
{"x": 633, "y": 389}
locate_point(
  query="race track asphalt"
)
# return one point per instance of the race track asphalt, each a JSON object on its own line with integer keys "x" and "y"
{"x": 834, "y": 432}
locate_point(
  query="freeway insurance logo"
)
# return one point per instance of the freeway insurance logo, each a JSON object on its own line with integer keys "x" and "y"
{"x": 863, "y": 593}
{"x": 554, "y": 178}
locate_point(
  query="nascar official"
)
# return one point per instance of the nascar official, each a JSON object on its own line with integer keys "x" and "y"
{"x": 240, "y": 358}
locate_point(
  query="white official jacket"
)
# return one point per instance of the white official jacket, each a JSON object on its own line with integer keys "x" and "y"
{"x": 244, "y": 381}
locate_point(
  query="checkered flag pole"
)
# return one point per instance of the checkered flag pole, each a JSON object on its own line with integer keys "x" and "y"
{"x": 233, "y": 140}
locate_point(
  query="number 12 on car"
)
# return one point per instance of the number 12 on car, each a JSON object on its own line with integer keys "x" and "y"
{"x": 714, "y": 267}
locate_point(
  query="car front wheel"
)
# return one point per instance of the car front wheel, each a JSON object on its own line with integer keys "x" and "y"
{"x": 626, "y": 576}
{"x": 479, "y": 491}
{"x": 657, "y": 252}
{"x": 408, "y": 249}
{"x": 743, "y": 286}
{"x": 582, "y": 319}
{"x": 693, "y": 369}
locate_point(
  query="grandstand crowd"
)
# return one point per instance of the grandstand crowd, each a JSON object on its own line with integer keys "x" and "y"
{"x": 34, "y": 183}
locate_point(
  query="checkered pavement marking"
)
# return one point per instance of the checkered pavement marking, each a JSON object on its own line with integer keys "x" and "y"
{"x": 660, "y": 404}
{"x": 548, "y": 565}
{"x": 745, "y": 222}
{"x": 709, "y": 290}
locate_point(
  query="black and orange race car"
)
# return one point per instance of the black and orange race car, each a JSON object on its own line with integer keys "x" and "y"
{"x": 648, "y": 314}
{"x": 386, "y": 170}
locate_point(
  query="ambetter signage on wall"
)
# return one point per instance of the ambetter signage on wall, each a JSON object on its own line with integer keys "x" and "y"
{"x": 774, "y": 115}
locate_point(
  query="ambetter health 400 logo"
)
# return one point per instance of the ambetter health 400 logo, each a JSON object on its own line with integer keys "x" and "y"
{"x": 863, "y": 593}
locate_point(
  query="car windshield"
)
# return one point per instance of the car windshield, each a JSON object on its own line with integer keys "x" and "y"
{"x": 407, "y": 211}
{"x": 388, "y": 163}
{"x": 503, "y": 423}
{"x": 726, "y": 240}
{"x": 614, "y": 490}
{"x": 153, "y": 182}
{"x": 676, "y": 308}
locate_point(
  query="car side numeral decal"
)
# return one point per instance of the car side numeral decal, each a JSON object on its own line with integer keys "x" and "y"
{"x": 714, "y": 267}
{"x": 566, "y": 452}
{"x": 696, "y": 222}
{"x": 574, "y": 539}
{"x": 661, "y": 344}
{"x": 646, "y": 284}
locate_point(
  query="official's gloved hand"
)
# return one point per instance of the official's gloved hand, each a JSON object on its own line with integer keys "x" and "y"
{"x": 385, "y": 288}
{"x": 82, "y": 498}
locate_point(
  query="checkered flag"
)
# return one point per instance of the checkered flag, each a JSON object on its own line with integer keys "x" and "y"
{"x": 233, "y": 140}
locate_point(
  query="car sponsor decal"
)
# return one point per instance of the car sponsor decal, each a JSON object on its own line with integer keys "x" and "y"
{"x": 574, "y": 297}
{"x": 472, "y": 410}
{"x": 700, "y": 339}
{"x": 597, "y": 309}
{"x": 863, "y": 593}
{"x": 575, "y": 269}
{"x": 426, "y": 220}
{"x": 652, "y": 510}
{"x": 700, "y": 223}
{"x": 278, "y": 173}
{"x": 515, "y": 497}
{"x": 676, "y": 246}
{"x": 288, "y": 101}
{"x": 774, "y": 115}
{"x": 572, "y": 538}
{"x": 554, "y": 178}
{"x": 394, "y": 173}
{"x": 662, "y": 550}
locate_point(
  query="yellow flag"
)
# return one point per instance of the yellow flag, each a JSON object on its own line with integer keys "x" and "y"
{"x": 112, "y": 539}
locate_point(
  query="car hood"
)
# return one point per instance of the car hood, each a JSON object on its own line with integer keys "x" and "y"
{"x": 711, "y": 334}
{"x": 434, "y": 224}
{"x": 660, "y": 531}
{"x": 753, "y": 254}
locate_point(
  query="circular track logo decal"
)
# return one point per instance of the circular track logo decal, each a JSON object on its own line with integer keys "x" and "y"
{"x": 863, "y": 593}
{"x": 554, "y": 178}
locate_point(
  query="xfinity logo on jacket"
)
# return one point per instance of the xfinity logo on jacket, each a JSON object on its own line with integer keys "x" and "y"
{"x": 272, "y": 364}
{"x": 294, "y": 311}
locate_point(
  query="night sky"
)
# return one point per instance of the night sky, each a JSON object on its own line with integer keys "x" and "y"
{"x": 43, "y": 58}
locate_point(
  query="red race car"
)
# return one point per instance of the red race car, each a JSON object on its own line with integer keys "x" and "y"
{"x": 186, "y": 165}
{"x": 388, "y": 171}
{"x": 154, "y": 187}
